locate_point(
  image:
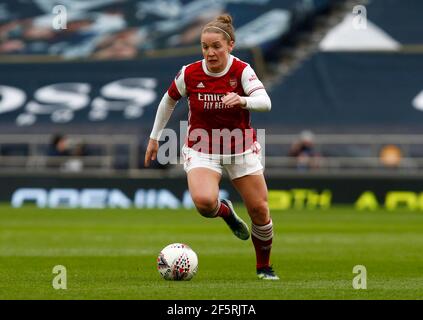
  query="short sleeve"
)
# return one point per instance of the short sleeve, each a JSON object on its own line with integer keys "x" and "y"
{"x": 178, "y": 89}
{"x": 249, "y": 80}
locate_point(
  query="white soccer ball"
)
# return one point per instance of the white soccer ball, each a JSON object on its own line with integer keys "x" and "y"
{"x": 177, "y": 261}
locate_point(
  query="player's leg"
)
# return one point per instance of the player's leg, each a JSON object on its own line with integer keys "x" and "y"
{"x": 204, "y": 173}
{"x": 253, "y": 190}
{"x": 203, "y": 184}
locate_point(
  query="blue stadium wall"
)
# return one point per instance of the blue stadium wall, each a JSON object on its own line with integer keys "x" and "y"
{"x": 349, "y": 92}
{"x": 113, "y": 97}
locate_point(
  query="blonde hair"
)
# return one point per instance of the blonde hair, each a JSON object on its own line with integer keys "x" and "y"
{"x": 222, "y": 24}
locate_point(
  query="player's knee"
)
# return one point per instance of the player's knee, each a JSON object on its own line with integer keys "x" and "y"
{"x": 205, "y": 205}
{"x": 260, "y": 212}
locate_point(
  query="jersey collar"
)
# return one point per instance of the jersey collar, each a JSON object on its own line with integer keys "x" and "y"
{"x": 220, "y": 74}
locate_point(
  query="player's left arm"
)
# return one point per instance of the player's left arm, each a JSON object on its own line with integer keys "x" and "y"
{"x": 256, "y": 99}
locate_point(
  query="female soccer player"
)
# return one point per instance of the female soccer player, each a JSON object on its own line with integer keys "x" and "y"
{"x": 221, "y": 91}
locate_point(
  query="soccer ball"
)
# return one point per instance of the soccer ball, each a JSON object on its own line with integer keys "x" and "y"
{"x": 177, "y": 261}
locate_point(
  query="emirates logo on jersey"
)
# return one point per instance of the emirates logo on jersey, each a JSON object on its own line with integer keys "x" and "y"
{"x": 233, "y": 82}
{"x": 212, "y": 101}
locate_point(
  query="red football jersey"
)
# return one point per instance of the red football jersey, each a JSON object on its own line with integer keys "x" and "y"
{"x": 212, "y": 126}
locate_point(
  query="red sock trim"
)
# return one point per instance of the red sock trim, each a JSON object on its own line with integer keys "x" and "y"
{"x": 223, "y": 211}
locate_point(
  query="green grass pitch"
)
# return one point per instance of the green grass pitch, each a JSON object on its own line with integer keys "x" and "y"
{"x": 111, "y": 254}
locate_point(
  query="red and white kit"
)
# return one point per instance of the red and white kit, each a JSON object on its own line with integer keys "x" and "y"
{"x": 213, "y": 127}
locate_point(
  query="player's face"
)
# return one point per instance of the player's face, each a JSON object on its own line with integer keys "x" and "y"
{"x": 216, "y": 50}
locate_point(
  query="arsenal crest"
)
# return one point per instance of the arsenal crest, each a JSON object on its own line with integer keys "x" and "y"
{"x": 233, "y": 83}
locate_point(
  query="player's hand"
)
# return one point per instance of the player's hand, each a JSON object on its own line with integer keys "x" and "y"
{"x": 232, "y": 99}
{"x": 151, "y": 152}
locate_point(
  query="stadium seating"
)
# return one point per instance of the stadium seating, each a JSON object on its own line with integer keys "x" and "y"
{"x": 126, "y": 29}
{"x": 105, "y": 73}
{"x": 361, "y": 83}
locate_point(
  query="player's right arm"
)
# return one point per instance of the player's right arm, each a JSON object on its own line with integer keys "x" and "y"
{"x": 164, "y": 111}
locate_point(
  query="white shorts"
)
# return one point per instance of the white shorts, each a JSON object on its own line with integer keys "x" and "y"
{"x": 237, "y": 165}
